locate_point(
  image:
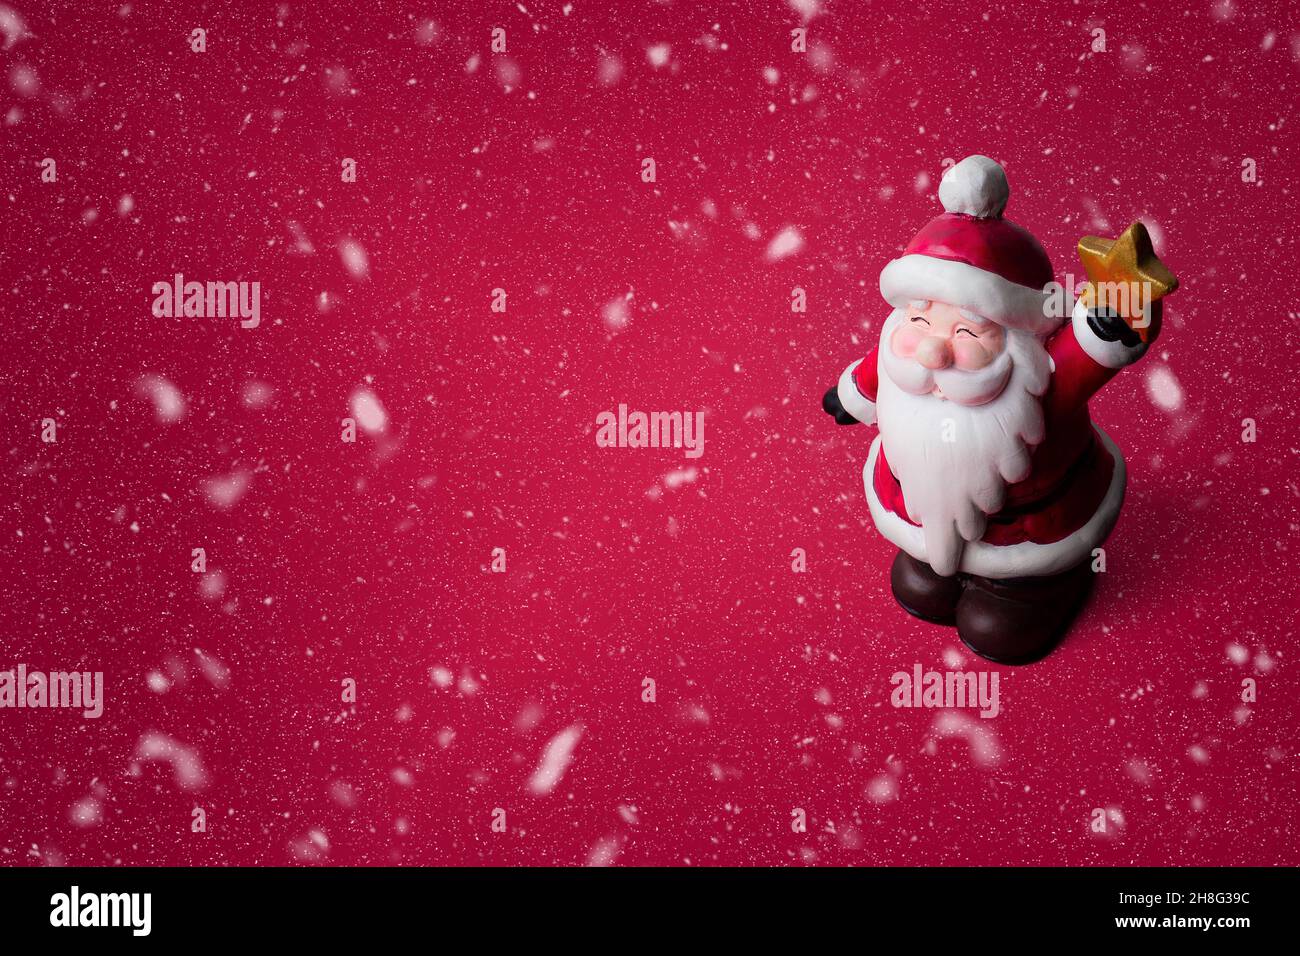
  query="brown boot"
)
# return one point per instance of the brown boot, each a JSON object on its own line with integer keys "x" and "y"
{"x": 923, "y": 593}
{"x": 1020, "y": 620}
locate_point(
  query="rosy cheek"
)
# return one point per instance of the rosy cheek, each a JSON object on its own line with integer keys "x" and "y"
{"x": 969, "y": 355}
{"x": 906, "y": 339}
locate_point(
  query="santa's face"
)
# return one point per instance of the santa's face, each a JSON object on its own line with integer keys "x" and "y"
{"x": 938, "y": 335}
{"x": 944, "y": 341}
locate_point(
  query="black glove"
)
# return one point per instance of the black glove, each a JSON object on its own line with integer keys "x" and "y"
{"x": 1107, "y": 325}
{"x": 831, "y": 406}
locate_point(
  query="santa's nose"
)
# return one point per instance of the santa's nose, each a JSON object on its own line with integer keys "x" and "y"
{"x": 933, "y": 353}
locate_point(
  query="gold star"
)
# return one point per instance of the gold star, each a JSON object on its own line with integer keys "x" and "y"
{"x": 1113, "y": 265}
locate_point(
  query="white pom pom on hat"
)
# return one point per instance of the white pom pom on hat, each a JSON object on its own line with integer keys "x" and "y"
{"x": 972, "y": 258}
{"x": 977, "y": 186}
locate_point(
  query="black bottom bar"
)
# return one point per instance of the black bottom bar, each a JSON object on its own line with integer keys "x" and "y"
{"x": 333, "y": 905}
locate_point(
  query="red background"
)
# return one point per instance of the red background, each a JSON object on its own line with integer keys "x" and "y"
{"x": 370, "y": 561}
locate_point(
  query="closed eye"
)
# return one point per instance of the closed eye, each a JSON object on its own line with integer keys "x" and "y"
{"x": 968, "y": 332}
{"x": 920, "y": 318}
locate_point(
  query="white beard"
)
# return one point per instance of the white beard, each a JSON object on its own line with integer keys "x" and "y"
{"x": 952, "y": 485}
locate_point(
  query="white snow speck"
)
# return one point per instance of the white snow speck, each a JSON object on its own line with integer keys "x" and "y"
{"x": 216, "y": 673}
{"x": 467, "y": 685}
{"x": 426, "y": 33}
{"x": 12, "y": 26}
{"x": 1164, "y": 388}
{"x": 786, "y": 243}
{"x": 682, "y": 476}
{"x": 610, "y": 70}
{"x": 368, "y": 412}
{"x": 984, "y": 749}
{"x": 882, "y": 789}
{"x": 341, "y": 792}
{"x": 86, "y": 813}
{"x": 158, "y": 683}
{"x": 354, "y": 258}
{"x": 168, "y": 402}
{"x": 555, "y": 760}
{"x": 24, "y": 81}
{"x": 187, "y": 770}
{"x": 224, "y": 491}
{"x": 806, "y": 8}
{"x": 301, "y": 241}
{"x": 257, "y": 395}
{"x": 508, "y": 73}
{"x": 604, "y": 851}
{"x": 615, "y": 314}
{"x": 530, "y": 715}
{"x": 310, "y": 848}
{"x": 658, "y": 54}
{"x": 212, "y": 585}
{"x": 1223, "y": 10}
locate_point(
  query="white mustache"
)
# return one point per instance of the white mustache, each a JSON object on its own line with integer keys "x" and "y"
{"x": 966, "y": 387}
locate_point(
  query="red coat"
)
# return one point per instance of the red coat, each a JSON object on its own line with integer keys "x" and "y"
{"x": 1055, "y": 517}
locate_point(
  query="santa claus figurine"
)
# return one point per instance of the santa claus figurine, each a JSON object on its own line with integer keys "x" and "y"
{"x": 988, "y": 473}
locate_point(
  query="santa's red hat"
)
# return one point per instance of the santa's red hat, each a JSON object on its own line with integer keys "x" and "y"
{"x": 972, "y": 258}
